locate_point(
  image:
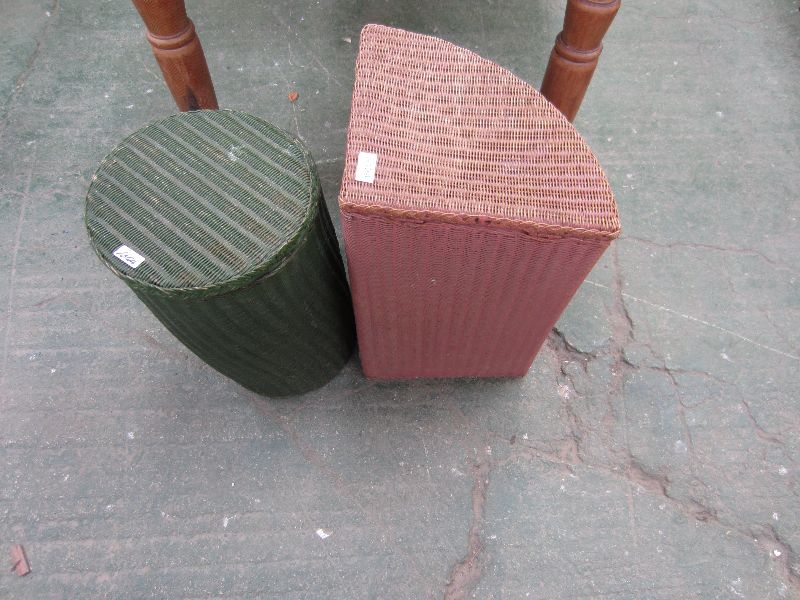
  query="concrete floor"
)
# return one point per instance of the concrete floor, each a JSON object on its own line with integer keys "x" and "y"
{"x": 651, "y": 452}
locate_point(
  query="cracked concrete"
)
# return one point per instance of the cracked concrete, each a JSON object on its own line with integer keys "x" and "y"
{"x": 651, "y": 451}
{"x": 466, "y": 574}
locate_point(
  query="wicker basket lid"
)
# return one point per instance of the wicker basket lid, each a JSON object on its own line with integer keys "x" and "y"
{"x": 436, "y": 131}
{"x": 201, "y": 202}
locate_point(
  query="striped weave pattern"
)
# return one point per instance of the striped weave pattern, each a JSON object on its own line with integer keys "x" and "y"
{"x": 241, "y": 261}
{"x": 486, "y": 212}
{"x": 211, "y": 198}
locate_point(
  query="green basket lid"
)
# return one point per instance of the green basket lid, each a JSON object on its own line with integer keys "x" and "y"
{"x": 201, "y": 202}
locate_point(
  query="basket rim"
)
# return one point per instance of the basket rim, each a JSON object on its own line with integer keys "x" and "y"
{"x": 469, "y": 219}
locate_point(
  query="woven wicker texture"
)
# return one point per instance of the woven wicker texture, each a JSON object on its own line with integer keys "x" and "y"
{"x": 240, "y": 260}
{"x": 458, "y": 136}
{"x": 486, "y": 211}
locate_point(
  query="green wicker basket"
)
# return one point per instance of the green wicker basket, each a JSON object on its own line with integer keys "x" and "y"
{"x": 216, "y": 220}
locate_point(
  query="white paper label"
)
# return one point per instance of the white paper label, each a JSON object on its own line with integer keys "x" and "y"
{"x": 365, "y": 167}
{"x": 128, "y": 256}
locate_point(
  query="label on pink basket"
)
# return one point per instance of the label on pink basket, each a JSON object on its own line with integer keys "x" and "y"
{"x": 365, "y": 167}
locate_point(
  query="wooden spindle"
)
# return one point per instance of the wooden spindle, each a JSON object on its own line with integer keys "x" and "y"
{"x": 178, "y": 52}
{"x": 576, "y": 52}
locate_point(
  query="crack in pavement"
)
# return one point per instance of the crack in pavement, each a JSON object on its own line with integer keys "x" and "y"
{"x": 701, "y": 246}
{"x": 22, "y": 78}
{"x": 568, "y": 453}
{"x": 562, "y": 346}
{"x": 657, "y": 484}
{"x": 762, "y": 433}
{"x": 467, "y": 572}
{"x": 697, "y": 320}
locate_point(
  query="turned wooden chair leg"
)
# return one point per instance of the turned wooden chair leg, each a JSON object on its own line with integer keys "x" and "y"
{"x": 178, "y": 52}
{"x": 576, "y": 51}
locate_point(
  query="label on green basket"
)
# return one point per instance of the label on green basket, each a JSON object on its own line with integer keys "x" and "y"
{"x": 365, "y": 167}
{"x": 128, "y": 256}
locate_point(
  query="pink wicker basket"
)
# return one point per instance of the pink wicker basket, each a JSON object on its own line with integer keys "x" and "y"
{"x": 471, "y": 209}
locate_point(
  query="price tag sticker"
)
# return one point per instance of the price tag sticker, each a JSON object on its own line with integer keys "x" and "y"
{"x": 128, "y": 256}
{"x": 365, "y": 167}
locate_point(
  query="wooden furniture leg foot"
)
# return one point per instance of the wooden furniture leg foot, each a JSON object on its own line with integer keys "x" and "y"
{"x": 576, "y": 52}
{"x": 178, "y": 52}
